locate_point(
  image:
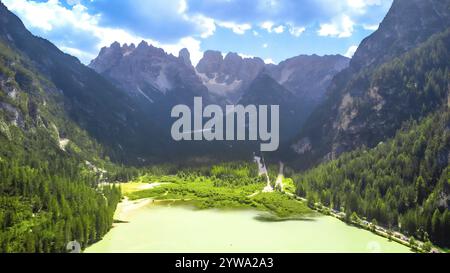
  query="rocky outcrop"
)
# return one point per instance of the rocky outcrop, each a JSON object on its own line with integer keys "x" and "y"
{"x": 148, "y": 72}
{"x": 384, "y": 85}
{"x": 185, "y": 56}
{"x": 308, "y": 77}
{"x": 228, "y": 77}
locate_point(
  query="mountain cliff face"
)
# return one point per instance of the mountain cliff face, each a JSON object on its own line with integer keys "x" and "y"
{"x": 228, "y": 77}
{"x": 264, "y": 90}
{"x": 398, "y": 73}
{"x": 162, "y": 80}
{"x": 408, "y": 23}
{"x": 308, "y": 77}
{"x": 185, "y": 56}
{"x": 150, "y": 73}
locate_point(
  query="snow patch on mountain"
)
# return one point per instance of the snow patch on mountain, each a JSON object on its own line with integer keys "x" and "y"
{"x": 162, "y": 83}
{"x": 220, "y": 88}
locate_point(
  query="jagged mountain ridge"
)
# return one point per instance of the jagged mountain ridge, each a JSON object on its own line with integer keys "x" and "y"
{"x": 149, "y": 72}
{"x": 153, "y": 76}
{"x": 226, "y": 77}
{"x": 305, "y": 76}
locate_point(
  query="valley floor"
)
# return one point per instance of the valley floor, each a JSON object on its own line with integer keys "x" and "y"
{"x": 169, "y": 221}
{"x": 200, "y": 193}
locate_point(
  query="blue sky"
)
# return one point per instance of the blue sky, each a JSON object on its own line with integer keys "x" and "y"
{"x": 271, "y": 29}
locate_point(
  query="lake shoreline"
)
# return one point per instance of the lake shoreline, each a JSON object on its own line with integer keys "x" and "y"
{"x": 127, "y": 211}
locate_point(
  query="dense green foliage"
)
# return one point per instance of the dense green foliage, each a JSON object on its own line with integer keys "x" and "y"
{"x": 42, "y": 212}
{"x": 403, "y": 184}
{"x": 48, "y": 192}
{"x": 228, "y": 185}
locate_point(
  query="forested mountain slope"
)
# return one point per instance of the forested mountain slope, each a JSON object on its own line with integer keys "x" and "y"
{"x": 92, "y": 102}
{"x": 403, "y": 184}
{"x": 396, "y": 75}
{"x": 50, "y": 166}
{"x": 48, "y": 193}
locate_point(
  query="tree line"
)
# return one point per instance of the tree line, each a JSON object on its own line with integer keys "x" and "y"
{"x": 48, "y": 198}
{"x": 403, "y": 184}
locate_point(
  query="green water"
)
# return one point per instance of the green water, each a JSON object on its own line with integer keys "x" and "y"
{"x": 180, "y": 229}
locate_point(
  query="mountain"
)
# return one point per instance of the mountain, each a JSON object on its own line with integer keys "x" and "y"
{"x": 55, "y": 118}
{"x": 264, "y": 90}
{"x": 301, "y": 81}
{"x": 159, "y": 80}
{"x": 185, "y": 56}
{"x": 228, "y": 77}
{"x": 308, "y": 77}
{"x": 398, "y": 73}
{"x": 407, "y": 24}
{"x": 155, "y": 80}
{"x": 149, "y": 73}
{"x": 85, "y": 97}
{"x": 401, "y": 184}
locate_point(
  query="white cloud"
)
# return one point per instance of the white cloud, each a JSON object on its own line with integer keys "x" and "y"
{"x": 371, "y": 27}
{"x": 48, "y": 15}
{"x": 351, "y": 13}
{"x": 295, "y": 30}
{"x": 206, "y": 24}
{"x": 361, "y": 5}
{"x": 265, "y": 45}
{"x": 279, "y": 29}
{"x": 351, "y": 51}
{"x": 267, "y": 26}
{"x": 246, "y": 56}
{"x": 269, "y": 61}
{"x": 182, "y": 7}
{"x": 51, "y": 16}
{"x": 193, "y": 45}
{"x": 341, "y": 27}
{"x": 73, "y": 2}
{"x": 351, "y": 7}
{"x": 82, "y": 55}
{"x": 270, "y": 27}
{"x": 236, "y": 28}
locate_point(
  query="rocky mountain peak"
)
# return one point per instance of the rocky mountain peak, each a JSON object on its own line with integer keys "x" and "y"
{"x": 228, "y": 77}
{"x": 130, "y": 47}
{"x": 143, "y": 44}
{"x": 210, "y": 63}
{"x": 232, "y": 58}
{"x": 185, "y": 56}
{"x": 147, "y": 71}
{"x": 115, "y": 45}
{"x": 108, "y": 57}
{"x": 308, "y": 76}
{"x": 408, "y": 23}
